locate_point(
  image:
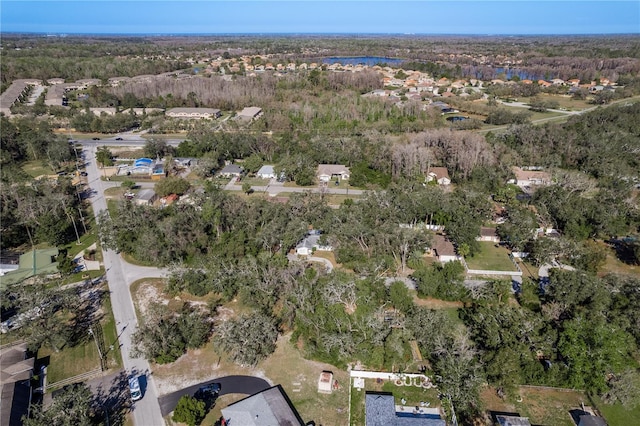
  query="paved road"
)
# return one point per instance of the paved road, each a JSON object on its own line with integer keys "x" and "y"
{"x": 274, "y": 187}
{"x": 119, "y": 276}
{"x": 247, "y": 385}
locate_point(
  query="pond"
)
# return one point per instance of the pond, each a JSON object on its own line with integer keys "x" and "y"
{"x": 362, "y": 60}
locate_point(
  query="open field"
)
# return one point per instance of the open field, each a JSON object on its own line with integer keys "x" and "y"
{"x": 613, "y": 265}
{"x": 491, "y": 257}
{"x": 542, "y": 406}
{"x": 37, "y": 168}
{"x": 616, "y": 415}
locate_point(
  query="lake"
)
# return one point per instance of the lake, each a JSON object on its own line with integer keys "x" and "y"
{"x": 364, "y": 60}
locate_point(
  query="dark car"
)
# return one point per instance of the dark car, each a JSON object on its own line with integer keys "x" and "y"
{"x": 208, "y": 391}
{"x": 95, "y": 139}
{"x": 83, "y": 174}
{"x": 118, "y": 139}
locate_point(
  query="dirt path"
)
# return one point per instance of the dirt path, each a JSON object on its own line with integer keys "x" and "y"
{"x": 432, "y": 303}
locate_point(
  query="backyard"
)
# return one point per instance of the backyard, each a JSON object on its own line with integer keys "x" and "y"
{"x": 491, "y": 257}
{"x": 412, "y": 395}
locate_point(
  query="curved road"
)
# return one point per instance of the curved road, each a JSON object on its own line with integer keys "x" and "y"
{"x": 247, "y": 385}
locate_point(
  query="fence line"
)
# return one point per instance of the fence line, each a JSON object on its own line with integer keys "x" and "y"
{"x": 10, "y": 344}
{"x": 79, "y": 378}
{"x": 551, "y": 388}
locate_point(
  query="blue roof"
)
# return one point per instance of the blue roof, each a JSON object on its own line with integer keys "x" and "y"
{"x": 143, "y": 162}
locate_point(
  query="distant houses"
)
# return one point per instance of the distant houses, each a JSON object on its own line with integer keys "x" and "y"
{"x": 249, "y": 114}
{"x": 326, "y": 172}
{"x": 193, "y": 113}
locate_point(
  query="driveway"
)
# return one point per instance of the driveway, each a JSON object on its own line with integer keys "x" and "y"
{"x": 247, "y": 385}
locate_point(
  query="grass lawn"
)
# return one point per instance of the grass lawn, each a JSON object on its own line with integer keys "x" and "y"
{"x": 412, "y": 394}
{"x": 491, "y": 258}
{"x": 615, "y": 265}
{"x": 253, "y": 181}
{"x": 327, "y": 255}
{"x": 528, "y": 269}
{"x": 338, "y": 199}
{"x": 71, "y": 361}
{"x": 37, "y": 168}
{"x": 616, "y": 415}
{"x": 541, "y": 406}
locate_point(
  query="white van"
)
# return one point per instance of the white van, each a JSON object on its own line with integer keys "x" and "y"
{"x": 134, "y": 388}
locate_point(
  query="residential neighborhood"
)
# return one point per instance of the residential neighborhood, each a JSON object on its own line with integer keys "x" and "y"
{"x": 275, "y": 229}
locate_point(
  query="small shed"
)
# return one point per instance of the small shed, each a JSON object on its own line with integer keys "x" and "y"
{"x": 146, "y": 197}
{"x": 325, "y": 382}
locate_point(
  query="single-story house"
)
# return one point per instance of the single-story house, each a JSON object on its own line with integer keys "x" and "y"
{"x": 198, "y": 113}
{"x": 99, "y": 111}
{"x": 328, "y": 171}
{"x": 589, "y": 420}
{"x": 381, "y": 410}
{"x": 16, "y": 371}
{"x": 488, "y": 234}
{"x": 530, "y": 177}
{"x": 443, "y": 249}
{"x": 269, "y": 407}
{"x": 266, "y": 172}
{"x": 250, "y": 113}
{"x": 439, "y": 174}
{"x": 231, "y": 170}
{"x": 142, "y": 166}
{"x": 53, "y": 81}
{"x": 146, "y": 197}
{"x": 309, "y": 244}
{"x": 34, "y": 262}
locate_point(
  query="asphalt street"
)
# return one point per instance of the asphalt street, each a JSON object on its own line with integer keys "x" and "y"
{"x": 247, "y": 385}
{"x": 119, "y": 276}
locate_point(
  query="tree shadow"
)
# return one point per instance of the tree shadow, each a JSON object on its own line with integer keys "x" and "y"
{"x": 114, "y": 400}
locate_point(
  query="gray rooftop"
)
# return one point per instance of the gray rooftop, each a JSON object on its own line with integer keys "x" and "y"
{"x": 270, "y": 407}
{"x": 380, "y": 410}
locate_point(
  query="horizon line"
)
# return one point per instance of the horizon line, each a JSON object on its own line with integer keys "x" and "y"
{"x": 293, "y": 33}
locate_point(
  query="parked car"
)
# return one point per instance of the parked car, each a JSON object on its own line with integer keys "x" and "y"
{"x": 134, "y": 388}
{"x": 118, "y": 139}
{"x": 83, "y": 174}
{"x": 95, "y": 139}
{"x": 208, "y": 391}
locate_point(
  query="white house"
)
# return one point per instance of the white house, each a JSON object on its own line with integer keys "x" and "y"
{"x": 311, "y": 243}
{"x": 530, "y": 177}
{"x": 443, "y": 249}
{"x": 328, "y": 171}
{"x": 266, "y": 172}
{"x": 439, "y": 174}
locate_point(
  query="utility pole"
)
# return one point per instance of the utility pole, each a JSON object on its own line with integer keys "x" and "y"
{"x": 95, "y": 339}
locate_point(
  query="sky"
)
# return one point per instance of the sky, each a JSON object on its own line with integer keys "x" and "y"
{"x": 322, "y": 16}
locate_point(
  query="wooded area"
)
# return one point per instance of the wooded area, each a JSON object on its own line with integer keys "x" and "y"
{"x": 581, "y": 330}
